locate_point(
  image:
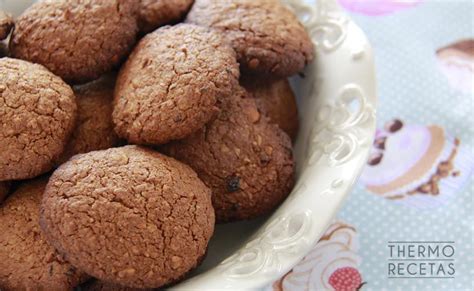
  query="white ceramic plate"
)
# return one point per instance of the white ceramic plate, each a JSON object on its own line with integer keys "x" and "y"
{"x": 337, "y": 100}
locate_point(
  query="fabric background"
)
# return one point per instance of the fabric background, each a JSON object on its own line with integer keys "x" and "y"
{"x": 412, "y": 88}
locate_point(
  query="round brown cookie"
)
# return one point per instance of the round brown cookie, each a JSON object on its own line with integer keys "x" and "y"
{"x": 27, "y": 261}
{"x": 6, "y": 24}
{"x": 276, "y": 99}
{"x": 98, "y": 285}
{"x": 128, "y": 216}
{"x": 78, "y": 40}
{"x": 155, "y": 13}
{"x": 171, "y": 83}
{"x": 267, "y": 37}
{"x": 94, "y": 128}
{"x": 246, "y": 161}
{"x": 37, "y": 114}
{"x": 4, "y": 190}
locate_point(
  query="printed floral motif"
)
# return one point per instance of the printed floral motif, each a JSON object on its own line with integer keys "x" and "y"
{"x": 378, "y": 7}
{"x": 333, "y": 264}
{"x": 421, "y": 166}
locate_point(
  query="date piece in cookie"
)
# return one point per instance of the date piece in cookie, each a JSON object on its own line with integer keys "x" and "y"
{"x": 276, "y": 99}
{"x": 171, "y": 84}
{"x": 129, "y": 216}
{"x": 246, "y": 161}
{"x": 78, "y": 40}
{"x": 267, "y": 36}
{"x": 155, "y": 13}
{"x": 37, "y": 114}
{"x": 27, "y": 261}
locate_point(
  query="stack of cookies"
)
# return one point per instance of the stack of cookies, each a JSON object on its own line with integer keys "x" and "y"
{"x": 128, "y": 128}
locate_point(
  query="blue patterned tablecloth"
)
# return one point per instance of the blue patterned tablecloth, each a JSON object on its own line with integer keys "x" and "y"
{"x": 408, "y": 224}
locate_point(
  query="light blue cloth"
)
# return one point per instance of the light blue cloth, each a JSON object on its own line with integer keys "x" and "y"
{"x": 414, "y": 89}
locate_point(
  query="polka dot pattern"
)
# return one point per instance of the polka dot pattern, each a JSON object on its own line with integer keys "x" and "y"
{"x": 412, "y": 88}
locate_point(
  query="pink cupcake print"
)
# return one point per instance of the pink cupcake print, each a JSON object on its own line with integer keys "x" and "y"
{"x": 456, "y": 61}
{"x": 421, "y": 166}
{"x": 331, "y": 265}
{"x": 377, "y": 7}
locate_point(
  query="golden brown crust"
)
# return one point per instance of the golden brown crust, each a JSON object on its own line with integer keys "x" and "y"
{"x": 128, "y": 215}
{"x": 27, "y": 262}
{"x": 78, "y": 40}
{"x": 37, "y": 114}
{"x": 6, "y": 24}
{"x": 246, "y": 161}
{"x": 94, "y": 128}
{"x": 170, "y": 85}
{"x": 155, "y": 13}
{"x": 276, "y": 99}
{"x": 267, "y": 37}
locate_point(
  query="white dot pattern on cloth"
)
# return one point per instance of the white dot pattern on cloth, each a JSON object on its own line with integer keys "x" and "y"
{"x": 412, "y": 88}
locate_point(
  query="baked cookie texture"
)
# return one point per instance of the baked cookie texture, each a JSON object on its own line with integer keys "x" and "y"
{"x": 246, "y": 161}
{"x": 94, "y": 129}
{"x": 171, "y": 84}
{"x": 37, "y": 115}
{"x": 27, "y": 261}
{"x": 276, "y": 99}
{"x": 267, "y": 37}
{"x": 155, "y": 13}
{"x": 6, "y": 24}
{"x": 98, "y": 285}
{"x": 78, "y": 40}
{"x": 129, "y": 216}
{"x": 4, "y": 190}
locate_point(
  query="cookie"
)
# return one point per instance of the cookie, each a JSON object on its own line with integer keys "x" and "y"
{"x": 27, "y": 261}
{"x": 246, "y": 161}
{"x": 170, "y": 85}
{"x": 4, "y": 190}
{"x": 37, "y": 114}
{"x": 155, "y": 13}
{"x": 6, "y": 24}
{"x": 267, "y": 37}
{"x": 276, "y": 99}
{"x": 94, "y": 128}
{"x": 78, "y": 40}
{"x": 98, "y": 285}
{"x": 129, "y": 216}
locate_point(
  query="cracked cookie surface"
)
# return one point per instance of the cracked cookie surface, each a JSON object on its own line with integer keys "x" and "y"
{"x": 129, "y": 216}
{"x": 171, "y": 84}
{"x": 267, "y": 37}
{"x": 78, "y": 40}
{"x": 27, "y": 261}
{"x": 276, "y": 99}
{"x": 6, "y": 24}
{"x": 37, "y": 114}
{"x": 246, "y": 161}
{"x": 155, "y": 13}
{"x": 94, "y": 129}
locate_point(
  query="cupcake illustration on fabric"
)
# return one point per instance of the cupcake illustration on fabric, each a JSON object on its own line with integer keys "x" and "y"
{"x": 420, "y": 166}
{"x": 378, "y": 7}
{"x": 331, "y": 265}
{"x": 456, "y": 61}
